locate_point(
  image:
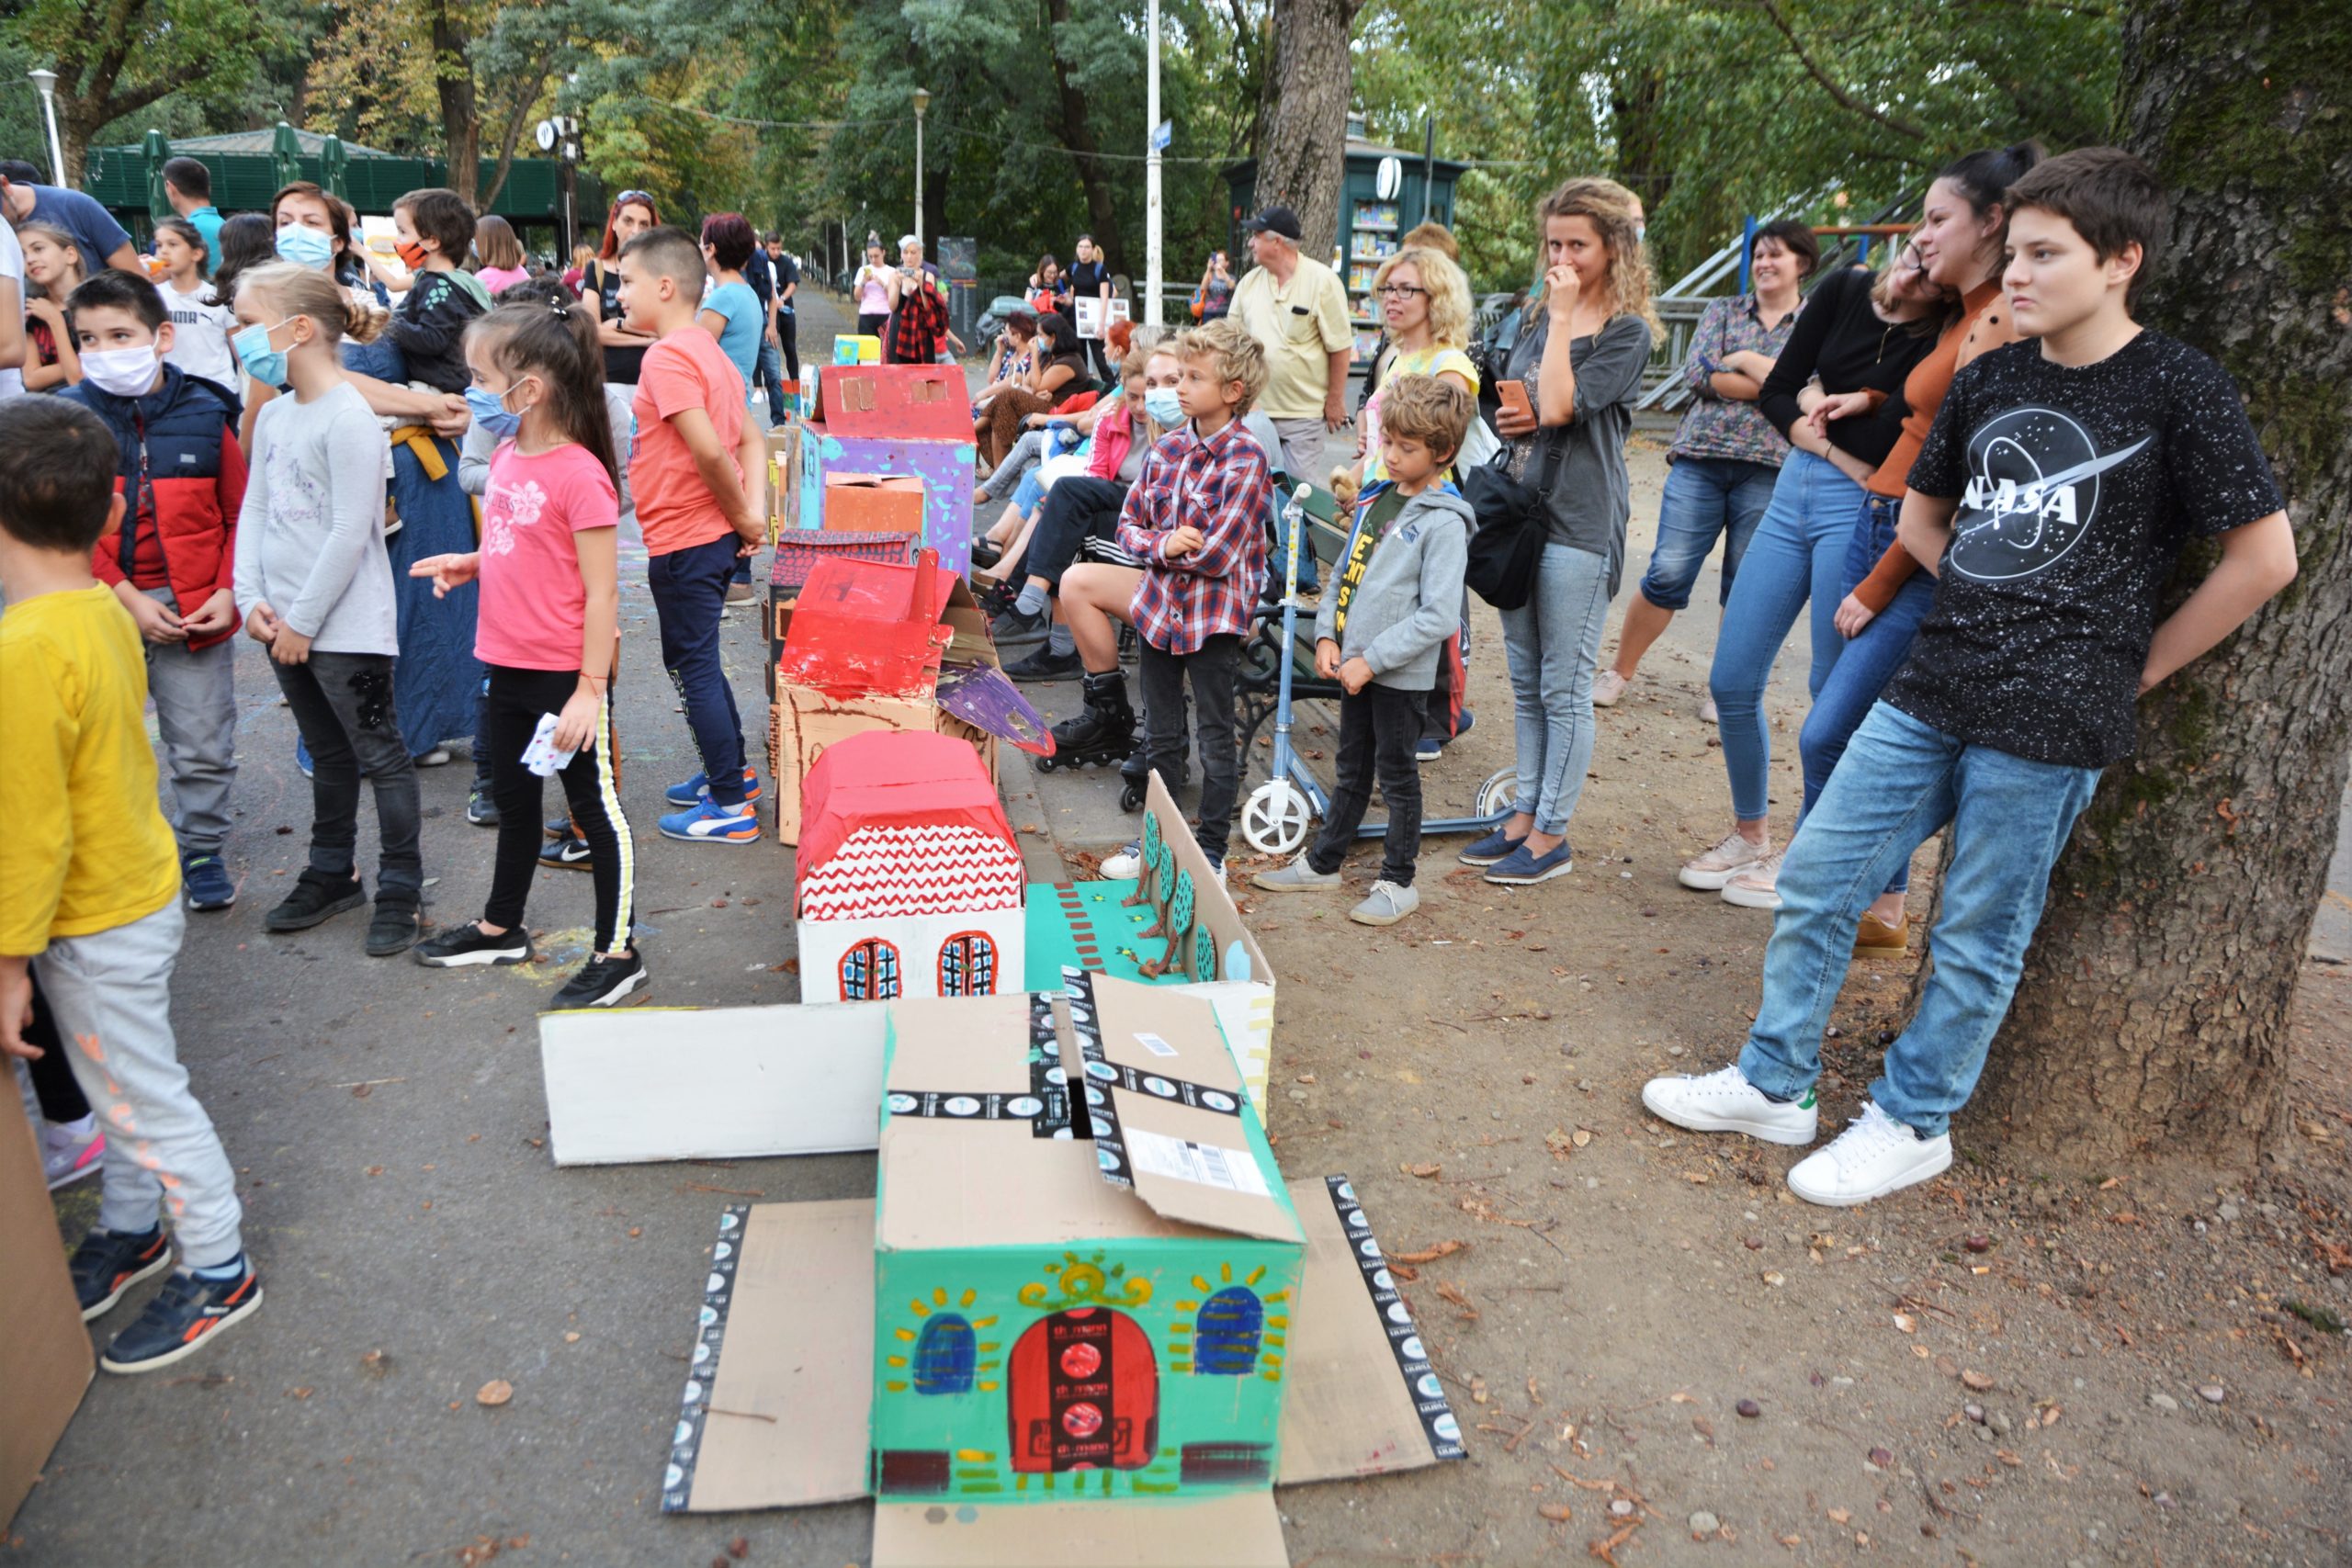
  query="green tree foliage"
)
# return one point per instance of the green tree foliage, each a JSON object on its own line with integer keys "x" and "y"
{"x": 118, "y": 60}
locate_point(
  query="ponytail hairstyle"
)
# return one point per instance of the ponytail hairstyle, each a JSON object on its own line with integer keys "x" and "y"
{"x": 1608, "y": 208}
{"x": 247, "y": 241}
{"x": 1984, "y": 177}
{"x": 537, "y": 328}
{"x": 294, "y": 289}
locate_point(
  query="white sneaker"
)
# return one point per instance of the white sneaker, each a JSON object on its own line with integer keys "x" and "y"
{"x": 1738, "y": 852}
{"x": 1125, "y": 863}
{"x": 1725, "y": 1101}
{"x": 1607, "y": 687}
{"x": 1874, "y": 1156}
{"x": 1758, "y": 888}
{"x": 1707, "y": 714}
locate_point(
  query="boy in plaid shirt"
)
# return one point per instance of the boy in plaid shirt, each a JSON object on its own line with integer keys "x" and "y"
{"x": 1196, "y": 518}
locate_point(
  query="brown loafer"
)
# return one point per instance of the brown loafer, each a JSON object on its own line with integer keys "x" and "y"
{"x": 1876, "y": 938}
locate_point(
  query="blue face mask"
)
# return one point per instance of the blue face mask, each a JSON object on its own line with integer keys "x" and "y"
{"x": 262, "y": 363}
{"x": 491, "y": 412}
{"x": 307, "y": 247}
{"x": 1165, "y": 409}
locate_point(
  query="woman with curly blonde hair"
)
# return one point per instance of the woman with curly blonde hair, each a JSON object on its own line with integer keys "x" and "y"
{"x": 1579, "y": 366}
{"x": 1425, "y": 307}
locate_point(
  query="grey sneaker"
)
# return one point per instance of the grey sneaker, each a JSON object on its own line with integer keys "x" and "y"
{"x": 1296, "y": 877}
{"x": 1385, "y": 905}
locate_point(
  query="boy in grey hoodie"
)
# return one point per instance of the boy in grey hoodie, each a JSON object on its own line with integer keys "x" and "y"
{"x": 1395, "y": 599}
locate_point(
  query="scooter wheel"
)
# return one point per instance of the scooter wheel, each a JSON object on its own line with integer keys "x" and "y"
{"x": 1498, "y": 793}
{"x": 1275, "y": 818}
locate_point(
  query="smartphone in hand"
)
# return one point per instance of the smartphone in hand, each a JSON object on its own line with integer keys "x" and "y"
{"x": 1513, "y": 396}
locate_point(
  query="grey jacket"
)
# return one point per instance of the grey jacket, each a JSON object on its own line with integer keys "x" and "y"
{"x": 1409, "y": 600}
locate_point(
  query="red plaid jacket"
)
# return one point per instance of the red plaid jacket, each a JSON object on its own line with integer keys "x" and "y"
{"x": 1222, "y": 487}
{"x": 918, "y": 329}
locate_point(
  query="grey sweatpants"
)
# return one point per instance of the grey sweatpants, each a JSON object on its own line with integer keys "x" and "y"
{"x": 112, "y": 993}
{"x": 196, "y": 712}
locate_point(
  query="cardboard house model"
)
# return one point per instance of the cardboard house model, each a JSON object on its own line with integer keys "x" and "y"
{"x": 910, "y": 882}
{"x": 1084, "y": 1307}
{"x": 861, "y": 649}
{"x": 891, "y": 442}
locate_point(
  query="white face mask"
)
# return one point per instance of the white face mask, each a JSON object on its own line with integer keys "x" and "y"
{"x": 125, "y": 372}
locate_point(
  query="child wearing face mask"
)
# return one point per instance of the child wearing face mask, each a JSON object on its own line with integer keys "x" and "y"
{"x": 435, "y": 228}
{"x": 550, "y": 608}
{"x": 315, "y": 586}
{"x": 182, "y": 477}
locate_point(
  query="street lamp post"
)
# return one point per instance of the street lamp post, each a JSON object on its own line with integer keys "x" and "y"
{"x": 1154, "y": 268}
{"x": 46, "y": 81}
{"x": 923, "y": 102}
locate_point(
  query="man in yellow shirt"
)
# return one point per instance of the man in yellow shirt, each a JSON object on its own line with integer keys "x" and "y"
{"x": 90, "y": 892}
{"x": 1297, "y": 309}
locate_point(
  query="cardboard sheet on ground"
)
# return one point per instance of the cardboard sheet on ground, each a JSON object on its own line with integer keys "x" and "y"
{"x": 45, "y": 1357}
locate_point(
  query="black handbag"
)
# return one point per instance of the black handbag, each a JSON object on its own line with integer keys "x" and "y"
{"x": 1507, "y": 547}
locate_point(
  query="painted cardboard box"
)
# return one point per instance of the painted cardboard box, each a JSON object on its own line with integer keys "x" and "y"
{"x": 908, "y": 421}
{"x": 1108, "y": 1324}
{"x": 910, "y": 881}
{"x": 804, "y": 1078}
{"x": 46, "y": 1362}
{"x": 860, "y": 650}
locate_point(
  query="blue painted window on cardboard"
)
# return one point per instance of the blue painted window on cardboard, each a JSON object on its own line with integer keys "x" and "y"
{"x": 1226, "y": 1334}
{"x": 945, "y": 1353}
{"x": 869, "y": 972}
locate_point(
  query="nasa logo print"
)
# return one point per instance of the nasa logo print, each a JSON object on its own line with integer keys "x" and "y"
{"x": 2033, "y": 492}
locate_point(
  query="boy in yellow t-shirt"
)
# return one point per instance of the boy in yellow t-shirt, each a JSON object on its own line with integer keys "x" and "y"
{"x": 90, "y": 892}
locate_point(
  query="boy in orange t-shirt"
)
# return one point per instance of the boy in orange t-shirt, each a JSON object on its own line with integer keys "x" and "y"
{"x": 697, "y": 474}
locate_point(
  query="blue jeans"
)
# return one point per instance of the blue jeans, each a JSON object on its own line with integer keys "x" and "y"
{"x": 1553, "y": 646}
{"x": 771, "y": 370}
{"x": 1901, "y": 781}
{"x": 689, "y": 593}
{"x": 1798, "y": 553}
{"x": 1869, "y": 661}
{"x": 1706, "y": 499}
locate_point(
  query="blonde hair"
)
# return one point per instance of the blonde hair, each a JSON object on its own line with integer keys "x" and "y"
{"x": 1428, "y": 409}
{"x": 298, "y": 291}
{"x": 1432, "y": 237}
{"x": 1234, "y": 353}
{"x": 63, "y": 241}
{"x": 1608, "y": 208}
{"x": 1448, "y": 292}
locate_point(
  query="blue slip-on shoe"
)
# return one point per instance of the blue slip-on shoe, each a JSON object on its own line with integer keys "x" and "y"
{"x": 1495, "y": 848}
{"x": 711, "y": 823}
{"x": 1427, "y": 750}
{"x": 697, "y": 788}
{"x": 1521, "y": 869}
{"x": 187, "y": 1314}
{"x": 206, "y": 883}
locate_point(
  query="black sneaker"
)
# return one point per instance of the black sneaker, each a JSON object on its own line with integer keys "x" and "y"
{"x": 317, "y": 897}
{"x": 479, "y": 809}
{"x": 558, "y": 827}
{"x": 1013, "y": 626}
{"x": 186, "y": 1315}
{"x": 1045, "y": 664}
{"x": 394, "y": 928}
{"x": 109, "y": 1263}
{"x": 567, "y": 853}
{"x": 206, "y": 883}
{"x": 454, "y": 947}
{"x": 602, "y": 983}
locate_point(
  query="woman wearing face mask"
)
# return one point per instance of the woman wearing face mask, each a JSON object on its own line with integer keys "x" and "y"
{"x": 1854, "y": 333}
{"x": 52, "y": 271}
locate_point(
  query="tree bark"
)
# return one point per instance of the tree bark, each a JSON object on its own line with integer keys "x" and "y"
{"x": 1077, "y": 135}
{"x": 1303, "y": 118}
{"x": 453, "y": 83}
{"x": 2152, "y": 1016}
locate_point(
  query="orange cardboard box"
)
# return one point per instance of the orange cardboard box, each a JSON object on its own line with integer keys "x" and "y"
{"x": 873, "y": 504}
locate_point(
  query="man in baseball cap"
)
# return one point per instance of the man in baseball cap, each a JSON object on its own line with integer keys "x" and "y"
{"x": 1297, "y": 309}
{"x": 1276, "y": 221}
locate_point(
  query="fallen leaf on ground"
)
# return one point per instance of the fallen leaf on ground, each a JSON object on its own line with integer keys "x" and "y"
{"x": 1907, "y": 1323}
{"x": 1429, "y": 1254}
{"x": 496, "y": 1391}
{"x": 1980, "y": 1381}
{"x": 1424, "y": 1170}
{"x": 1453, "y": 1292}
{"x": 1477, "y": 1385}
{"x": 1559, "y": 1513}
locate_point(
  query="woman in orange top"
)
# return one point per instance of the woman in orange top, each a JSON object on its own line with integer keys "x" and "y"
{"x": 1964, "y": 227}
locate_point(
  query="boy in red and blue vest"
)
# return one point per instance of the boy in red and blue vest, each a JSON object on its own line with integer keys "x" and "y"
{"x": 182, "y": 477}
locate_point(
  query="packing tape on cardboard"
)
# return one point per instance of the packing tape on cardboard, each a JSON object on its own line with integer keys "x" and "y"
{"x": 717, "y": 1292}
{"x": 1103, "y": 1108}
{"x": 1046, "y": 1106}
{"x": 1421, "y": 1384}
{"x": 1102, "y": 1077}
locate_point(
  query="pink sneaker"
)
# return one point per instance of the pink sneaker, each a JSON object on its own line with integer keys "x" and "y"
{"x": 68, "y": 1159}
{"x": 1607, "y": 687}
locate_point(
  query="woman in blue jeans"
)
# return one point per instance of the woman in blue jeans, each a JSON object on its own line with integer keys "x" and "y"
{"x": 1854, "y": 334}
{"x": 1582, "y": 367}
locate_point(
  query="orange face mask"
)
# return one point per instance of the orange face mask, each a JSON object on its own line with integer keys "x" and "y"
{"x": 411, "y": 254}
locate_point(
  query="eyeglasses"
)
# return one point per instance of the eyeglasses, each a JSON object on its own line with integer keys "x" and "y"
{"x": 1400, "y": 290}
{"x": 628, "y": 197}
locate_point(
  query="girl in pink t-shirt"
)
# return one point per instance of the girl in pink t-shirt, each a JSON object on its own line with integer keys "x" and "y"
{"x": 548, "y": 630}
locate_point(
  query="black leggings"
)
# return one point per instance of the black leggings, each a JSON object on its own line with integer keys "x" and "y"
{"x": 1079, "y": 507}
{"x": 787, "y": 332}
{"x": 53, "y": 1086}
{"x": 510, "y": 715}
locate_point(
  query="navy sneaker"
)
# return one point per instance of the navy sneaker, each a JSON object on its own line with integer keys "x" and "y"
{"x": 187, "y": 1314}
{"x": 480, "y": 809}
{"x": 206, "y": 883}
{"x": 109, "y": 1263}
{"x": 567, "y": 853}
{"x": 711, "y": 823}
{"x": 602, "y": 983}
{"x": 1427, "y": 750}
{"x": 558, "y": 827}
{"x": 694, "y": 791}
{"x": 1495, "y": 848}
{"x": 1523, "y": 869}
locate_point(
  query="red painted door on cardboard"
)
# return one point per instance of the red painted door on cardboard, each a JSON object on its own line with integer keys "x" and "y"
{"x": 1084, "y": 1393}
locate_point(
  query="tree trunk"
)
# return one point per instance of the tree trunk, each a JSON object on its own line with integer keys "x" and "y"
{"x": 453, "y": 82}
{"x": 2153, "y": 1017}
{"x": 1077, "y": 135}
{"x": 1302, "y": 152}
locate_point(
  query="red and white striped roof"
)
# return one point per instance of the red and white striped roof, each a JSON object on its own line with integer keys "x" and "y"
{"x": 920, "y": 869}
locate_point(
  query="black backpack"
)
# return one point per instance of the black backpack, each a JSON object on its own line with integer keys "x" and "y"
{"x": 1507, "y": 547}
